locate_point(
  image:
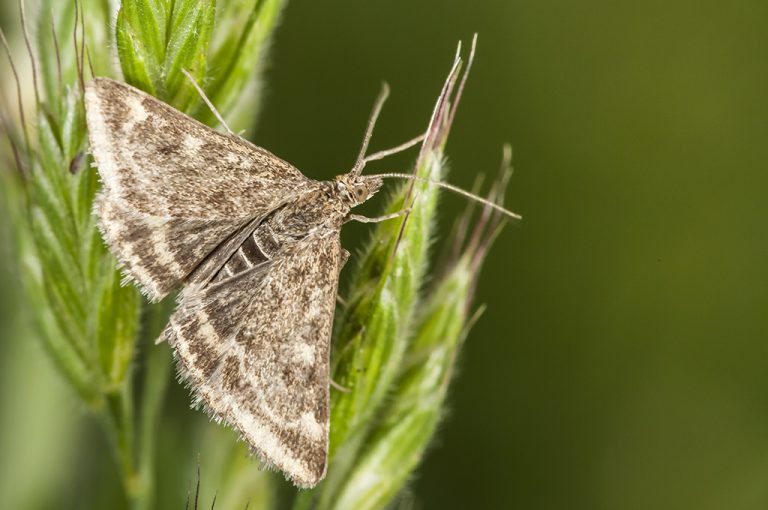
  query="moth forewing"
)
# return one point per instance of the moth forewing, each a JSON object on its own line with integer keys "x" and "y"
{"x": 255, "y": 247}
{"x": 172, "y": 188}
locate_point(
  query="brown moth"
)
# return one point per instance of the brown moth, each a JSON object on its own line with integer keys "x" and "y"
{"x": 254, "y": 246}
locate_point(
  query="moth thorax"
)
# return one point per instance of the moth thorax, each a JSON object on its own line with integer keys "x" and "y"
{"x": 356, "y": 190}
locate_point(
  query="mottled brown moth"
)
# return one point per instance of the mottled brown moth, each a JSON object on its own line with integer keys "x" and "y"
{"x": 254, "y": 246}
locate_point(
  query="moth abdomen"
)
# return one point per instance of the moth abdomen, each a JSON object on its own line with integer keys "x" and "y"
{"x": 259, "y": 247}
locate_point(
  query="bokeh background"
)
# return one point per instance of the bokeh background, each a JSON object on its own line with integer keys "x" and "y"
{"x": 622, "y": 360}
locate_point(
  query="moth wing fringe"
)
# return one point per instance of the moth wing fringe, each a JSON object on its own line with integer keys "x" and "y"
{"x": 198, "y": 402}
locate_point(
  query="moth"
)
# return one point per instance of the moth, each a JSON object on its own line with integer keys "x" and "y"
{"x": 254, "y": 246}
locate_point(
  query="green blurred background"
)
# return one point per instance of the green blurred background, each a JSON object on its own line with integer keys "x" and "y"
{"x": 621, "y": 363}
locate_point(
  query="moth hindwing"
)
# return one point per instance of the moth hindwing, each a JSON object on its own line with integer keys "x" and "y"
{"x": 254, "y": 247}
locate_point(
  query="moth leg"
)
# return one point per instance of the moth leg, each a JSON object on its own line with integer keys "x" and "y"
{"x": 377, "y": 219}
{"x": 208, "y": 102}
{"x": 394, "y": 150}
{"x": 344, "y": 257}
{"x": 339, "y": 387}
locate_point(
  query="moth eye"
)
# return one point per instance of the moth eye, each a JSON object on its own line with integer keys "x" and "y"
{"x": 360, "y": 193}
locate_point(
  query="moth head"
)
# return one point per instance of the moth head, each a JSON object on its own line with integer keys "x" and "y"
{"x": 356, "y": 190}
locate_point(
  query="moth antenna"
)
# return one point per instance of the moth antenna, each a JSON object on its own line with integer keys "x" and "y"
{"x": 394, "y": 150}
{"x": 449, "y": 187}
{"x": 361, "y": 159}
{"x": 462, "y": 227}
{"x": 487, "y": 230}
{"x": 490, "y": 221}
{"x": 23, "y": 14}
{"x": 480, "y": 250}
{"x": 459, "y": 230}
{"x": 487, "y": 227}
{"x": 208, "y": 103}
